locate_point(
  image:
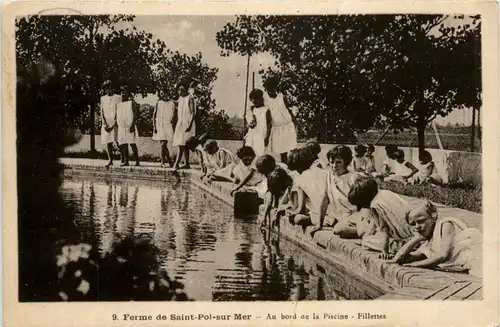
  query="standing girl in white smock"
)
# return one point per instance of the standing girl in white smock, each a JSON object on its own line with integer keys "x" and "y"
{"x": 260, "y": 123}
{"x": 163, "y": 130}
{"x": 283, "y": 134}
{"x": 127, "y": 113}
{"x": 186, "y": 126}
{"x": 109, "y": 129}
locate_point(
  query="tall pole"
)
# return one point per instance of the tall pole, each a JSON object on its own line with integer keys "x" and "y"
{"x": 246, "y": 93}
{"x": 473, "y": 131}
{"x": 253, "y": 80}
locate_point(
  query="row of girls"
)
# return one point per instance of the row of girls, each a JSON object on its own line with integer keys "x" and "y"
{"x": 119, "y": 114}
{"x": 348, "y": 203}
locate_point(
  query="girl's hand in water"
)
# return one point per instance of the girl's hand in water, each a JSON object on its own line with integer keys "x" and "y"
{"x": 384, "y": 256}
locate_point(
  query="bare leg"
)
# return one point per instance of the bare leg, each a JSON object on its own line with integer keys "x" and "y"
{"x": 180, "y": 153}
{"x": 345, "y": 229}
{"x": 284, "y": 158}
{"x": 135, "y": 153}
{"x": 109, "y": 148}
{"x": 186, "y": 159}
{"x": 124, "y": 154}
{"x": 165, "y": 154}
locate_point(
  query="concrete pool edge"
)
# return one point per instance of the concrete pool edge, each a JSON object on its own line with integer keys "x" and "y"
{"x": 395, "y": 281}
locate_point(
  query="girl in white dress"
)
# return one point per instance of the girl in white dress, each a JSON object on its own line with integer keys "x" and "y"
{"x": 186, "y": 126}
{"x": 220, "y": 162}
{"x": 403, "y": 169}
{"x": 109, "y": 130}
{"x": 163, "y": 130}
{"x": 427, "y": 172}
{"x": 445, "y": 243}
{"x": 127, "y": 113}
{"x": 260, "y": 123}
{"x": 283, "y": 134}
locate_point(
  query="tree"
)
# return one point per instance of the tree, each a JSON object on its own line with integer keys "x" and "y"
{"x": 348, "y": 73}
{"x": 89, "y": 50}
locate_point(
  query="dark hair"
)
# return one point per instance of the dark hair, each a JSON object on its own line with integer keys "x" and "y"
{"x": 398, "y": 154}
{"x": 425, "y": 155}
{"x": 186, "y": 83}
{"x": 362, "y": 192}
{"x": 370, "y": 147}
{"x": 271, "y": 82}
{"x": 390, "y": 149}
{"x": 314, "y": 147}
{"x": 210, "y": 145}
{"x": 265, "y": 164}
{"x": 361, "y": 149}
{"x": 245, "y": 151}
{"x": 341, "y": 152}
{"x": 192, "y": 143}
{"x": 293, "y": 160}
{"x": 256, "y": 94}
{"x": 278, "y": 180}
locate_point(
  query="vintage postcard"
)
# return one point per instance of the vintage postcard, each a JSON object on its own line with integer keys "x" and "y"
{"x": 218, "y": 163}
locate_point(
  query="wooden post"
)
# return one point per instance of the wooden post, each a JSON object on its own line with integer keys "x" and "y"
{"x": 246, "y": 94}
{"x": 253, "y": 80}
{"x": 382, "y": 136}
{"x": 434, "y": 127}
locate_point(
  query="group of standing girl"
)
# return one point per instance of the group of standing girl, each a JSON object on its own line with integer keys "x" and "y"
{"x": 119, "y": 114}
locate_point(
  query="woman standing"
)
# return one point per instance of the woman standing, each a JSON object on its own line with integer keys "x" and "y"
{"x": 186, "y": 126}
{"x": 283, "y": 134}
{"x": 127, "y": 113}
{"x": 162, "y": 123}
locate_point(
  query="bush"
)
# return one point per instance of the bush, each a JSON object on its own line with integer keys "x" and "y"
{"x": 462, "y": 196}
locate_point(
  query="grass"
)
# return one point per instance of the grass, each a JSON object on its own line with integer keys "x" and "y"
{"x": 463, "y": 196}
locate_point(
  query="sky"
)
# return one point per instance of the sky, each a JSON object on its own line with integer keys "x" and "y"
{"x": 193, "y": 34}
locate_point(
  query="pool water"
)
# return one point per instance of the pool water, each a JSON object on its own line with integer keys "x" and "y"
{"x": 216, "y": 256}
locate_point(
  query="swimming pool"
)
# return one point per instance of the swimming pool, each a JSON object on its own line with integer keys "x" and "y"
{"x": 216, "y": 256}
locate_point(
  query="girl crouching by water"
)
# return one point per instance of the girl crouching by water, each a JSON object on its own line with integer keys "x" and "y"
{"x": 220, "y": 162}
{"x": 245, "y": 173}
{"x": 382, "y": 225}
{"x": 443, "y": 243}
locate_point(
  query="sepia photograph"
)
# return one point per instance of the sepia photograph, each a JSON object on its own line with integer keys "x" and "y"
{"x": 251, "y": 158}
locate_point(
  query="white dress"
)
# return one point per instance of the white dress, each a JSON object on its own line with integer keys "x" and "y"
{"x": 283, "y": 134}
{"x": 255, "y": 136}
{"x": 108, "y": 110}
{"x": 312, "y": 182}
{"x": 221, "y": 163}
{"x": 184, "y": 117}
{"x": 163, "y": 122}
{"x": 466, "y": 251}
{"x": 124, "y": 119}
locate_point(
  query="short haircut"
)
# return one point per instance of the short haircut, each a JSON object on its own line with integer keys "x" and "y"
{"x": 425, "y": 155}
{"x": 210, "y": 145}
{"x": 370, "y": 147}
{"x": 278, "y": 181}
{"x": 313, "y": 146}
{"x": 256, "y": 94}
{"x": 390, "y": 149}
{"x": 271, "y": 82}
{"x": 245, "y": 151}
{"x": 426, "y": 207}
{"x": 360, "y": 149}
{"x": 293, "y": 160}
{"x": 340, "y": 152}
{"x": 399, "y": 154}
{"x": 265, "y": 164}
{"x": 362, "y": 192}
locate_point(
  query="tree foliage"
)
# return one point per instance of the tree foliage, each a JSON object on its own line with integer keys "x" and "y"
{"x": 348, "y": 73}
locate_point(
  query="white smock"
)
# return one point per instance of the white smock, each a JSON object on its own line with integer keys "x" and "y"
{"x": 108, "y": 111}
{"x": 125, "y": 119}
{"x": 283, "y": 133}
{"x": 163, "y": 121}
{"x": 184, "y": 118}
{"x": 255, "y": 136}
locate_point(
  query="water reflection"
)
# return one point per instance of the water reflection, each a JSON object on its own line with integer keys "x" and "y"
{"x": 200, "y": 243}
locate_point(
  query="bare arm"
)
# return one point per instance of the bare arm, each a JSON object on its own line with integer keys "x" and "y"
{"x": 414, "y": 169}
{"x": 154, "y": 117}
{"x": 103, "y": 118}
{"x": 405, "y": 250}
{"x": 244, "y": 181}
{"x": 269, "y": 124}
{"x": 301, "y": 199}
{"x": 192, "y": 109}
{"x": 444, "y": 248}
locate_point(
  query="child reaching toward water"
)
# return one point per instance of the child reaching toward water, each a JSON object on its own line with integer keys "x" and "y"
{"x": 245, "y": 173}
{"x": 448, "y": 243}
{"x": 220, "y": 162}
{"x": 382, "y": 224}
